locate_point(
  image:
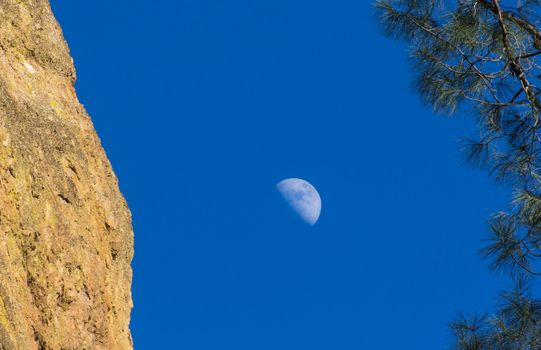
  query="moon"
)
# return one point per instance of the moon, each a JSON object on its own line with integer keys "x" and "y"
{"x": 302, "y": 197}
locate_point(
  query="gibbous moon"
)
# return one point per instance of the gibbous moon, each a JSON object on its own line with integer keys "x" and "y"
{"x": 302, "y": 197}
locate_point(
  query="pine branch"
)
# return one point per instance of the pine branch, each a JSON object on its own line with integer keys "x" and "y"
{"x": 514, "y": 64}
{"x": 510, "y": 16}
{"x": 486, "y": 61}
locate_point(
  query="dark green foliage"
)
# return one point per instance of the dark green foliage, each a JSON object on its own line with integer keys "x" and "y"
{"x": 483, "y": 57}
{"x": 515, "y": 325}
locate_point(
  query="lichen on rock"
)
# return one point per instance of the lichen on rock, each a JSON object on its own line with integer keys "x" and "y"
{"x": 66, "y": 240}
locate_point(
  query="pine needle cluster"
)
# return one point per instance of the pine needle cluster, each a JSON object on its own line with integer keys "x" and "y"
{"x": 483, "y": 57}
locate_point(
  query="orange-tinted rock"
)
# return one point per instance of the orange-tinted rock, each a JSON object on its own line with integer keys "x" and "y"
{"x": 66, "y": 240}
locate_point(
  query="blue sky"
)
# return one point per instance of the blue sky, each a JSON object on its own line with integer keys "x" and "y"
{"x": 203, "y": 106}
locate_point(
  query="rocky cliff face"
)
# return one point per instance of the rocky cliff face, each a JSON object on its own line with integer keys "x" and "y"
{"x": 66, "y": 239}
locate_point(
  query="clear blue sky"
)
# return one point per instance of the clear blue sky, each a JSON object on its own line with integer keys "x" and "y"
{"x": 203, "y": 106}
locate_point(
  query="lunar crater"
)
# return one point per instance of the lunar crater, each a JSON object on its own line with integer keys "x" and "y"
{"x": 302, "y": 197}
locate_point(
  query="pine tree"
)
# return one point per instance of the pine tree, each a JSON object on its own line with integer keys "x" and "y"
{"x": 483, "y": 57}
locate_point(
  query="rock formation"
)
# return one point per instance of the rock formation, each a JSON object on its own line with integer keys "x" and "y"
{"x": 66, "y": 240}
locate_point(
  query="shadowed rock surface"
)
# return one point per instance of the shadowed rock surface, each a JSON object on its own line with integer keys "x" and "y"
{"x": 66, "y": 239}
